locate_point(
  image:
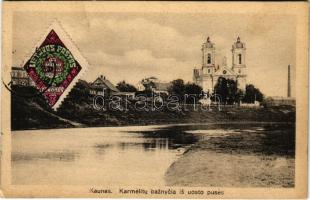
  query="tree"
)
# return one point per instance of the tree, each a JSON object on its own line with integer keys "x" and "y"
{"x": 126, "y": 87}
{"x": 193, "y": 91}
{"x": 228, "y": 91}
{"x": 177, "y": 88}
{"x": 188, "y": 93}
{"x": 252, "y": 94}
{"x": 221, "y": 89}
{"x": 232, "y": 89}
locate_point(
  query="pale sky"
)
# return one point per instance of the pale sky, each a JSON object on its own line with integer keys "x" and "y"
{"x": 132, "y": 46}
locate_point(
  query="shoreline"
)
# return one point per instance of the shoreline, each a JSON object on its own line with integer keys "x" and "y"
{"x": 160, "y": 125}
{"x": 260, "y": 159}
{"x": 35, "y": 114}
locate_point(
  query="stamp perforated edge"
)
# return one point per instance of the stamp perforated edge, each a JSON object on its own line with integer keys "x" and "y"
{"x": 72, "y": 47}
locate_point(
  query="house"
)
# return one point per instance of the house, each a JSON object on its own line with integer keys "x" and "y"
{"x": 161, "y": 87}
{"x": 102, "y": 86}
{"x": 140, "y": 86}
{"x": 155, "y": 85}
{"x": 127, "y": 95}
{"x": 19, "y": 76}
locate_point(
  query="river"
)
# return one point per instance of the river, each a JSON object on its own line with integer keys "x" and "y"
{"x": 136, "y": 155}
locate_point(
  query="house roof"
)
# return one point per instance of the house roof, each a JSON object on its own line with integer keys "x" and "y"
{"x": 149, "y": 79}
{"x": 162, "y": 86}
{"x": 105, "y": 81}
{"x": 124, "y": 93}
{"x": 18, "y": 68}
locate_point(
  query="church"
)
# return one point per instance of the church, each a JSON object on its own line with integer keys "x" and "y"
{"x": 208, "y": 74}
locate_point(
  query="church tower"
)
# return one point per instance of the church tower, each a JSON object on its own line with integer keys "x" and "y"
{"x": 208, "y": 56}
{"x": 238, "y": 62}
{"x": 208, "y": 65}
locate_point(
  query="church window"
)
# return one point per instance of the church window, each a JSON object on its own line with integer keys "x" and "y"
{"x": 224, "y": 72}
{"x": 239, "y": 58}
{"x": 239, "y": 71}
{"x": 208, "y": 71}
{"x": 209, "y": 58}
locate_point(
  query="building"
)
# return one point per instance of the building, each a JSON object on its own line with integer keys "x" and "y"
{"x": 280, "y": 101}
{"x": 147, "y": 83}
{"x": 19, "y": 76}
{"x": 155, "y": 85}
{"x": 127, "y": 95}
{"x": 102, "y": 86}
{"x": 140, "y": 86}
{"x": 210, "y": 71}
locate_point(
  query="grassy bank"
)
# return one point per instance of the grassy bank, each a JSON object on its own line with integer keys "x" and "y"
{"x": 77, "y": 111}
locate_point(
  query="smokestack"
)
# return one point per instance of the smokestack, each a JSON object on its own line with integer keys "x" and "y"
{"x": 288, "y": 81}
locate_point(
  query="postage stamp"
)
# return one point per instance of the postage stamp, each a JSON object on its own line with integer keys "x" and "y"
{"x": 53, "y": 67}
{"x": 181, "y": 100}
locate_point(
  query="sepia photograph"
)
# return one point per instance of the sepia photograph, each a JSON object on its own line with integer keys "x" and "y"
{"x": 153, "y": 100}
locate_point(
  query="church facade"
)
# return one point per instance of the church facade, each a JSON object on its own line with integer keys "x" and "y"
{"x": 210, "y": 71}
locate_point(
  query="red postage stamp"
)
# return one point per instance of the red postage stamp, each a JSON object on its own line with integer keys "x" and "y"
{"x": 55, "y": 65}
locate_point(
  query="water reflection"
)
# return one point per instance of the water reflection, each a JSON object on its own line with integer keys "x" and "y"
{"x": 61, "y": 156}
{"x": 148, "y": 144}
{"x": 170, "y": 137}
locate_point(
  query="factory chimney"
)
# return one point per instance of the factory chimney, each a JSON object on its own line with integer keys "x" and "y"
{"x": 289, "y": 81}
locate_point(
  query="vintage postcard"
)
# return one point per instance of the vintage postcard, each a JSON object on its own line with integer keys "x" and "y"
{"x": 154, "y": 99}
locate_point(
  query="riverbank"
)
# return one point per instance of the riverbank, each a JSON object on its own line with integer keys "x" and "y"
{"x": 77, "y": 111}
{"x": 249, "y": 158}
{"x": 32, "y": 116}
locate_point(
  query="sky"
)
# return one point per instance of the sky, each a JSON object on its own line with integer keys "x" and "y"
{"x": 132, "y": 46}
